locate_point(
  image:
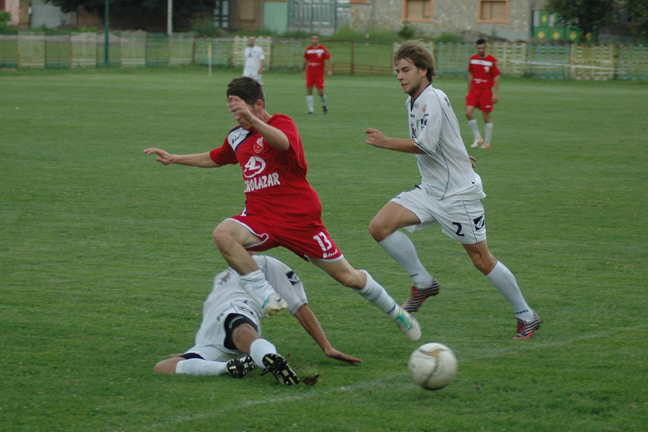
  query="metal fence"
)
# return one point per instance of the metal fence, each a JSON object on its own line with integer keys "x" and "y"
{"x": 139, "y": 49}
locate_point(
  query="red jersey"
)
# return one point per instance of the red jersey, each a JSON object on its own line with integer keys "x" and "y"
{"x": 483, "y": 70}
{"x": 316, "y": 57}
{"x": 275, "y": 181}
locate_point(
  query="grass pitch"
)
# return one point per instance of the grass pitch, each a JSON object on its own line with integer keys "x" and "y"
{"x": 106, "y": 257}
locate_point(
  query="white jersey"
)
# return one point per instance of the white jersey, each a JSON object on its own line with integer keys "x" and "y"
{"x": 228, "y": 294}
{"x": 253, "y": 57}
{"x": 446, "y": 170}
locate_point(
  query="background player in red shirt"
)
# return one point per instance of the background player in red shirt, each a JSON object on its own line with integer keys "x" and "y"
{"x": 315, "y": 57}
{"x": 483, "y": 89}
{"x": 282, "y": 209}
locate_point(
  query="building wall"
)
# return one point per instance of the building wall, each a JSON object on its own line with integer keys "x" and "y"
{"x": 13, "y": 7}
{"x": 275, "y": 16}
{"x": 246, "y": 15}
{"x": 448, "y": 16}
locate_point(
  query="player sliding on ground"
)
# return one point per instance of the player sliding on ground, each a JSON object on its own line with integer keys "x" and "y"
{"x": 282, "y": 209}
{"x": 450, "y": 192}
{"x": 231, "y": 327}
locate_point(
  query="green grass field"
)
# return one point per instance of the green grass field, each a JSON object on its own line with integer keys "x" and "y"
{"x": 106, "y": 257}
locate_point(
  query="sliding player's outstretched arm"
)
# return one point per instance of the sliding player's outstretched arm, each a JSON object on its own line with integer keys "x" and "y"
{"x": 311, "y": 324}
{"x": 200, "y": 160}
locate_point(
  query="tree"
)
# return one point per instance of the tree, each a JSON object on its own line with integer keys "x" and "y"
{"x": 638, "y": 16}
{"x": 150, "y": 13}
{"x": 584, "y": 14}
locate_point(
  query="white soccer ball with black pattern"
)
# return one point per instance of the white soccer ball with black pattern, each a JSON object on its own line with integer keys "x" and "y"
{"x": 432, "y": 366}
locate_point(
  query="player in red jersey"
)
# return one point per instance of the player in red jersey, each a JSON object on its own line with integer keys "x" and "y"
{"x": 314, "y": 65}
{"x": 483, "y": 89}
{"x": 282, "y": 209}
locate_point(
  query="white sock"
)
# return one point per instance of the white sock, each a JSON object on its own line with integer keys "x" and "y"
{"x": 376, "y": 294}
{"x": 505, "y": 282}
{"x": 309, "y": 102}
{"x": 323, "y": 98}
{"x": 401, "y": 248}
{"x": 200, "y": 367}
{"x": 259, "y": 348}
{"x": 256, "y": 285}
{"x": 488, "y": 133}
{"x": 475, "y": 129}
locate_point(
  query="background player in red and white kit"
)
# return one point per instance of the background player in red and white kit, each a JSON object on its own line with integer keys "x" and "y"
{"x": 282, "y": 209}
{"x": 483, "y": 89}
{"x": 314, "y": 65}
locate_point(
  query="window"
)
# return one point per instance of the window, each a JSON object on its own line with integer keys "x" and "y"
{"x": 417, "y": 10}
{"x": 496, "y": 11}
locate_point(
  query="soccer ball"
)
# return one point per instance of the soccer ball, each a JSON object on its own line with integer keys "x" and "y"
{"x": 432, "y": 366}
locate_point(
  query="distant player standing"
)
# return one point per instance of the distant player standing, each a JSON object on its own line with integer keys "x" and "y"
{"x": 450, "y": 192}
{"x": 315, "y": 57}
{"x": 483, "y": 89}
{"x": 254, "y": 61}
{"x": 282, "y": 209}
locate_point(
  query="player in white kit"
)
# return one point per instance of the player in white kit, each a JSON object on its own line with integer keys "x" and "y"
{"x": 254, "y": 61}
{"x": 450, "y": 192}
{"x": 231, "y": 327}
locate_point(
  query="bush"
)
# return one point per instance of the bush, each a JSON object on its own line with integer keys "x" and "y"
{"x": 5, "y": 28}
{"x": 406, "y": 32}
{"x": 204, "y": 27}
{"x": 449, "y": 38}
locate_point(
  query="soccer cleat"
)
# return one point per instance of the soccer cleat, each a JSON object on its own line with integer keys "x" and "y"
{"x": 477, "y": 142}
{"x": 419, "y": 295}
{"x": 325, "y": 109}
{"x": 273, "y": 305}
{"x": 408, "y": 325}
{"x": 485, "y": 145}
{"x": 239, "y": 367}
{"x": 278, "y": 367}
{"x": 526, "y": 328}
{"x": 311, "y": 112}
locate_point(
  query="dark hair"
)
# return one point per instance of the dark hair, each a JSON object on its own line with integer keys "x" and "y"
{"x": 419, "y": 55}
{"x": 480, "y": 42}
{"x": 247, "y": 89}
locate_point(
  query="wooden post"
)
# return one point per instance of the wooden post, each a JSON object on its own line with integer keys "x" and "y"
{"x": 352, "y": 70}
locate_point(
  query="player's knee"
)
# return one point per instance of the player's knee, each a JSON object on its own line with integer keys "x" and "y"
{"x": 483, "y": 263}
{"x": 378, "y": 230}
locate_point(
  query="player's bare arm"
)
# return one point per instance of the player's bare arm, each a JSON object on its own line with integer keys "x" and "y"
{"x": 255, "y": 117}
{"x": 200, "y": 160}
{"x": 377, "y": 139}
{"x": 496, "y": 89}
{"x": 311, "y": 324}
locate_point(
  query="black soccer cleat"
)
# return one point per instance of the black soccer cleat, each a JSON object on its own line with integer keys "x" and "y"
{"x": 278, "y": 367}
{"x": 239, "y": 367}
{"x": 419, "y": 295}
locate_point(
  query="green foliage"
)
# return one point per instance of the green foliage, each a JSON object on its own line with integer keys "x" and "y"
{"x": 5, "y": 28}
{"x": 204, "y": 27}
{"x": 449, "y": 38}
{"x": 638, "y": 17}
{"x": 406, "y": 32}
{"x": 584, "y": 14}
{"x": 372, "y": 35}
{"x": 106, "y": 257}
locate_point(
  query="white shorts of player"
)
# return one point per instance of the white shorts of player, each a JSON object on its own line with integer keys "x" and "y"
{"x": 255, "y": 77}
{"x": 461, "y": 220}
{"x": 213, "y": 348}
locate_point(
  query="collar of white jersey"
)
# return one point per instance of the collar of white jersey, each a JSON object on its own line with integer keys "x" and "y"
{"x": 412, "y": 100}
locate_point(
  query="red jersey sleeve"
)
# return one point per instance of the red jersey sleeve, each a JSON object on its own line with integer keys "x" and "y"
{"x": 288, "y": 126}
{"x": 327, "y": 55}
{"x": 495, "y": 69}
{"x": 223, "y": 155}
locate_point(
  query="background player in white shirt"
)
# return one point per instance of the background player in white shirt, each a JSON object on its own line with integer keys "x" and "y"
{"x": 254, "y": 61}
{"x": 450, "y": 192}
{"x": 231, "y": 327}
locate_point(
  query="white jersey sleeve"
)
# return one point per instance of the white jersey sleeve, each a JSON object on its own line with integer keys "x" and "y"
{"x": 446, "y": 170}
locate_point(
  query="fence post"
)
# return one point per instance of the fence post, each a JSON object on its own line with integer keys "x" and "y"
{"x": 352, "y": 71}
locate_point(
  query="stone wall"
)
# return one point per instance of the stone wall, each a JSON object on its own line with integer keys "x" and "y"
{"x": 449, "y": 16}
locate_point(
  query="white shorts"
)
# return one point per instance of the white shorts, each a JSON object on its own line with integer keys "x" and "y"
{"x": 462, "y": 220}
{"x": 256, "y": 77}
{"x": 212, "y": 348}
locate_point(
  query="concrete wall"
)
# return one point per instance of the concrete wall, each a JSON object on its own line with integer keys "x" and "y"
{"x": 449, "y": 16}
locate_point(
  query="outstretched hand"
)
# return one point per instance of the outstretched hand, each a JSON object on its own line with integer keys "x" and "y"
{"x": 375, "y": 137}
{"x": 339, "y": 355}
{"x": 164, "y": 157}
